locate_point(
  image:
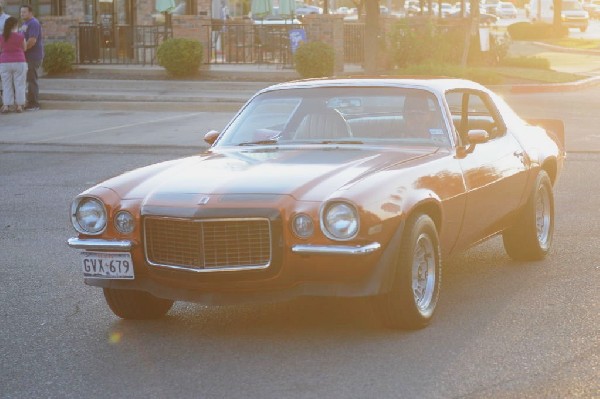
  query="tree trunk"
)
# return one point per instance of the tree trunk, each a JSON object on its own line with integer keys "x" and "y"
{"x": 557, "y": 10}
{"x": 473, "y": 24}
{"x": 371, "y": 35}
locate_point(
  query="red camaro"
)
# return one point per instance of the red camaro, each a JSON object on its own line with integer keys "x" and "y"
{"x": 340, "y": 187}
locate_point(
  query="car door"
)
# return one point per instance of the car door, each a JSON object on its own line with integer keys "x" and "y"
{"x": 494, "y": 172}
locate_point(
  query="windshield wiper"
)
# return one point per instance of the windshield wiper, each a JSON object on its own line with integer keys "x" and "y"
{"x": 340, "y": 142}
{"x": 259, "y": 142}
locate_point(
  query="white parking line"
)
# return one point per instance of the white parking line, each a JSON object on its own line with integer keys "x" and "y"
{"x": 114, "y": 128}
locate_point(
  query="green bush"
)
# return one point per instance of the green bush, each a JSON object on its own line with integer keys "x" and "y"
{"x": 536, "y": 31}
{"x": 58, "y": 57}
{"x": 526, "y": 62}
{"x": 426, "y": 42}
{"x": 314, "y": 60}
{"x": 483, "y": 76}
{"x": 180, "y": 57}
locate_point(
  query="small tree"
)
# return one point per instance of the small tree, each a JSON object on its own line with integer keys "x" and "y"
{"x": 180, "y": 57}
{"x": 314, "y": 60}
{"x": 58, "y": 57}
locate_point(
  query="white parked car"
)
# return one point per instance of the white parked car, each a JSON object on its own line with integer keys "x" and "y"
{"x": 573, "y": 15}
{"x": 307, "y": 9}
{"x": 506, "y": 10}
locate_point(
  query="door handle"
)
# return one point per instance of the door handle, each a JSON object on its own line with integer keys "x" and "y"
{"x": 520, "y": 155}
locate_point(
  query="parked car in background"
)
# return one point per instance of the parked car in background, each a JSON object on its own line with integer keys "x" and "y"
{"x": 275, "y": 18}
{"x": 484, "y": 19}
{"x": 306, "y": 9}
{"x": 572, "y": 14}
{"x": 593, "y": 8}
{"x": 489, "y": 6}
{"x": 505, "y": 9}
{"x": 329, "y": 187}
{"x": 446, "y": 10}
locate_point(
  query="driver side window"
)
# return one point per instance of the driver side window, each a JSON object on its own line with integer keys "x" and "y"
{"x": 473, "y": 110}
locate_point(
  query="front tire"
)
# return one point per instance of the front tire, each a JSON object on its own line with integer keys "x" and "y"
{"x": 136, "y": 305}
{"x": 530, "y": 237}
{"x": 412, "y": 300}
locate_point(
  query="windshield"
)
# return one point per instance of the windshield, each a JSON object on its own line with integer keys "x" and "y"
{"x": 571, "y": 6}
{"x": 344, "y": 115}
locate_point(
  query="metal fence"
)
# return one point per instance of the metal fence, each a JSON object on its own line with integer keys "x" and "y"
{"x": 230, "y": 43}
{"x": 354, "y": 43}
{"x": 121, "y": 44}
{"x": 261, "y": 44}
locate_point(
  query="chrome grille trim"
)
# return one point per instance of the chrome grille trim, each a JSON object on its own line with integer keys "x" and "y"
{"x": 208, "y": 245}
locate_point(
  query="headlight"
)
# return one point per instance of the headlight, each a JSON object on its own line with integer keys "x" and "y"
{"x": 88, "y": 216}
{"x": 303, "y": 226}
{"x": 339, "y": 221}
{"x": 124, "y": 222}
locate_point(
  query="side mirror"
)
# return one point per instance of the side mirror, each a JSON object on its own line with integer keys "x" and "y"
{"x": 478, "y": 136}
{"x": 475, "y": 136}
{"x": 211, "y": 137}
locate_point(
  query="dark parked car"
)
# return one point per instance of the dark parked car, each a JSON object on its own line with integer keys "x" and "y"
{"x": 340, "y": 187}
{"x": 484, "y": 19}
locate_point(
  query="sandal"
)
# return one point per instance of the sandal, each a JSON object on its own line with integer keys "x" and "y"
{"x": 5, "y": 109}
{"x": 19, "y": 109}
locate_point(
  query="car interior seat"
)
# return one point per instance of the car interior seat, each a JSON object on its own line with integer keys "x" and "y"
{"x": 325, "y": 124}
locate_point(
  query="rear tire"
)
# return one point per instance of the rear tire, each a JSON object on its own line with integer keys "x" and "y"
{"x": 530, "y": 237}
{"x": 412, "y": 300}
{"x": 136, "y": 305}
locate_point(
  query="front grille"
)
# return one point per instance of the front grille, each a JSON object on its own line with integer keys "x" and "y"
{"x": 208, "y": 245}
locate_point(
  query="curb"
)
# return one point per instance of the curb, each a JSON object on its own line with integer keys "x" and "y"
{"x": 555, "y": 87}
{"x": 561, "y": 49}
{"x": 152, "y": 106}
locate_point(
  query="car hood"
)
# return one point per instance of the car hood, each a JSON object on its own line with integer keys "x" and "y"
{"x": 310, "y": 175}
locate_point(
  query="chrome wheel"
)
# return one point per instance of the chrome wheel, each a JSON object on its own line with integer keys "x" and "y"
{"x": 423, "y": 273}
{"x": 530, "y": 237}
{"x": 543, "y": 215}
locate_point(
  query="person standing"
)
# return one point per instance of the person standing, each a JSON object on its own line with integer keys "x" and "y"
{"x": 13, "y": 66}
{"x": 3, "y": 18}
{"x": 34, "y": 54}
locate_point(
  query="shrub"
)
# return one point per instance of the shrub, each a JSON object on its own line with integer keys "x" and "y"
{"x": 482, "y": 76}
{"x": 314, "y": 60}
{"x": 526, "y": 62}
{"x": 413, "y": 43}
{"x": 58, "y": 57}
{"x": 536, "y": 31}
{"x": 180, "y": 57}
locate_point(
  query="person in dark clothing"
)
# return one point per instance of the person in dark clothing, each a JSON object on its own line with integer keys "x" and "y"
{"x": 32, "y": 30}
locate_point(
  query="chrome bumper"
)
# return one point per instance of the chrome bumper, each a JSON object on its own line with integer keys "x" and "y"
{"x": 336, "y": 249}
{"x": 95, "y": 244}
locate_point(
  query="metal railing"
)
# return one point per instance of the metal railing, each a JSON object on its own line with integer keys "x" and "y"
{"x": 230, "y": 43}
{"x": 354, "y": 43}
{"x": 252, "y": 43}
{"x": 120, "y": 44}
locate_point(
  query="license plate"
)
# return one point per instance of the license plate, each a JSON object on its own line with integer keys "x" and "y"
{"x": 109, "y": 265}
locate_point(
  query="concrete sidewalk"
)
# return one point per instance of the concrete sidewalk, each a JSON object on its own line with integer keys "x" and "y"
{"x": 227, "y": 87}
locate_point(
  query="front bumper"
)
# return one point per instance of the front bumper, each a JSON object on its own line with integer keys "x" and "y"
{"x": 94, "y": 244}
{"x": 307, "y": 270}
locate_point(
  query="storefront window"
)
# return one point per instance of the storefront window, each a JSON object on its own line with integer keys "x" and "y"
{"x": 41, "y": 8}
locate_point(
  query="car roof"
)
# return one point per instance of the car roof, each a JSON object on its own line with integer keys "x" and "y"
{"x": 436, "y": 84}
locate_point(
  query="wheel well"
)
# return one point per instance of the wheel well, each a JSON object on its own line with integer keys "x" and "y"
{"x": 432, "y": 209}
{"x": 550, "y": 167}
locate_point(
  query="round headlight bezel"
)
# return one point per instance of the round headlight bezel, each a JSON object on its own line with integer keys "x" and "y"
{"x": 123, "y": 213}
{"x": 325, "y": 227}
{"x": 76, "y": 206}
{"x": 305, "y": 217}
